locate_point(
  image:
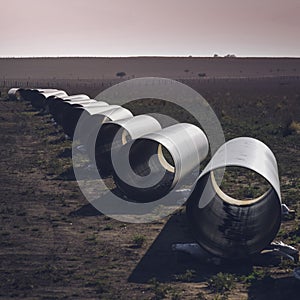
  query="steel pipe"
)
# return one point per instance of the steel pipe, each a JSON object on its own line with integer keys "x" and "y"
{"x": 150, "y": 166}
{"x": 113, "y": 135}
{"x": 233, "y": 228}
{"x": 59, "y": 109}
{"x": 12, "y": 94}
{"x": 68, "y": 115}
{"x": 52, "y": 101}
{"x": 39, "y": 101}
{"x": 58, "y": 106}
{"x": 38, "y": 97}
{"x": 26, "y": 94}
{"x": 86, "y": 119}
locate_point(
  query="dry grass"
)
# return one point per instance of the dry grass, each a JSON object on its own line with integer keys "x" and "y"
{"x": 295, "y": 127}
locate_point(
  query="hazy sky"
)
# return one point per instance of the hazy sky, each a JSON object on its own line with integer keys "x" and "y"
{"x": 150, "y": 27}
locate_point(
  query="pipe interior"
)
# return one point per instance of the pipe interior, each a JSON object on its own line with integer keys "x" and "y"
{"x": 110, "y": 137}
{"x": 232, "y": 229}
{"x": 240, "y": 186}
{"x": 147, "y": 157}
{"x": 143, "y": 150}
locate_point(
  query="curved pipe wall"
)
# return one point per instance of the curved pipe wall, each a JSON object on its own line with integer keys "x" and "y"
{"x": 38, "y": 100}
{"x": 69, "y": 114}
{"x": 169, "y": 154}
{"x": 52, "y": 100}
{"x": 59, "y": 109}
{"x": 55, "y": 104}
{"x": 12, "y": 94}
{"x": 26, "y": 94}
{"x": 229, "y": 227}
{"x": 91, "y": 118}
{"x": 113, "y": 135}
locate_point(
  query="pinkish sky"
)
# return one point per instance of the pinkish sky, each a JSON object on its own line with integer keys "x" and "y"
{"x": 150, "y": 27}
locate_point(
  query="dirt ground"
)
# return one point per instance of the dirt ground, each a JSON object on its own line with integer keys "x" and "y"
{"x": 55, "y": 245}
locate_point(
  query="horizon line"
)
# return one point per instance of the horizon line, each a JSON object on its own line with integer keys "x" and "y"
{"x": 148, "y": 56}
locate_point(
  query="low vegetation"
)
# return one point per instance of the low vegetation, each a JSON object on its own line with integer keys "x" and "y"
{"x": 75, "y": 252}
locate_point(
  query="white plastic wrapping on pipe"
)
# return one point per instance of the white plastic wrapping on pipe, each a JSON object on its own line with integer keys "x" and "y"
{"x": 233, "y": 228}
{"x": 149, "y": 167}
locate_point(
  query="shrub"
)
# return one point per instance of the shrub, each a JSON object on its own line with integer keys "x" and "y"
{"x": 187, "y": 276}
{"x": 222, "y": 282}
{"x": 295, "y": 127}
{"x": 139, "y": 240}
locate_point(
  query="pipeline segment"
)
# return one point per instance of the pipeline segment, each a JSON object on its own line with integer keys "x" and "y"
{"x": 158, "y": 161}
{"x": 233, "y": 228}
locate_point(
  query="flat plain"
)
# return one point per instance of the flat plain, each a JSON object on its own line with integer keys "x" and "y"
{"x": 55, "y": 245}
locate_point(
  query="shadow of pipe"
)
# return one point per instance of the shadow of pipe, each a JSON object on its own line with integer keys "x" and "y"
{"x": 165, "y": 265}
{"x": 87, "y": 210}
{"x": 275, "y": 289}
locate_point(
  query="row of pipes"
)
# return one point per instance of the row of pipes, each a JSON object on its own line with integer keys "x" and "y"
{"x": 223, "y": 226}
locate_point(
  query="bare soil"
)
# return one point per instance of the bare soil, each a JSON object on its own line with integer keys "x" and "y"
{"x": 55, "y": 245}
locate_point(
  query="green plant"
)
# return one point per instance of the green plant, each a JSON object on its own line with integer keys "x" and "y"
{"x": 138, "y": 240}
{"x": 108, "y": 227}
{"x": 176, "y": 296}
{"x": 295, "y": 126}
{"x": 221, "y": 296}
{"x": 121, "y": 74}
{"x": 256, "y": 274}
{"x": 221, "y": 282}
{"x": 286, "y": 264}
{"x": 282, "y": 233}
{"x": 160, "y": 290}
{"x": 187, "y": 276}
{"x": 91, "y": 238}
{"x": 201, "y": 296}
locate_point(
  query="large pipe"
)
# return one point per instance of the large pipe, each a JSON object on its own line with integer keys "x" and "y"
{"x": 86, "y": 119}
{"x": 69, "y": 115}
{"x": 59, "y": 110}
{"x": 25, "y": 94}
{"x": 228, "y": 227}
{"x": 51, "y": 101}
{"x": 12, "y": 94}
{"x": 54, "y": 103}
{"x": 58, "y": 105}
{"x": 150, "y": 166}
{"x": 38, "y": 98}
{"x": 113, "y": 135}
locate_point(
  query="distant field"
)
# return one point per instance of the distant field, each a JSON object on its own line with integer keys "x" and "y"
{"x": 171, "y": 67}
